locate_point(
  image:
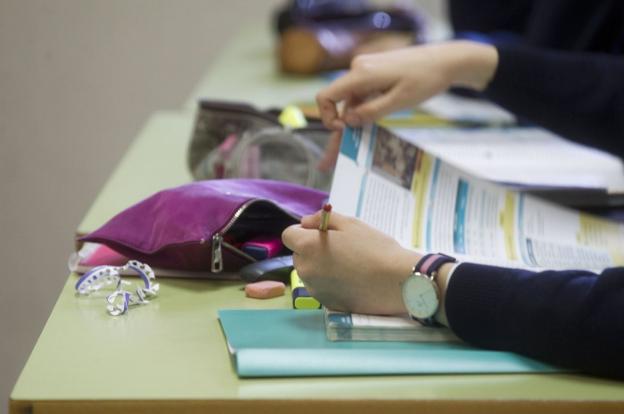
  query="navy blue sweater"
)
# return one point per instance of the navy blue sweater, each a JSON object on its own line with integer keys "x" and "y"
{"x": 564, "y": 68}
{"x": 566, "y": 73}
{"x": 574, "y": 319}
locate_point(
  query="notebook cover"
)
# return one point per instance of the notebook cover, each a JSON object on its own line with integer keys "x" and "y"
{"x": 285, "y": 343}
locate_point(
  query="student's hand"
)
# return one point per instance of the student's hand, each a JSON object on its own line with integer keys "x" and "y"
{"x": 351, "y": 266}
{"x": 381, "y": 83}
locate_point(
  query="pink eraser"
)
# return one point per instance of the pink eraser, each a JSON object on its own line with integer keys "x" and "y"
{"x": 265, "y": 289}
{"x": 103, "y": 255}
{"x": 261, "y": 248}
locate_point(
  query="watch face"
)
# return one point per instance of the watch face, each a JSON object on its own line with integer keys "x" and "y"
{"x": 420, "y": 296}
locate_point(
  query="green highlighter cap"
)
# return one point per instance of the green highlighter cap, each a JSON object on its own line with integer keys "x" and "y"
{"x": 301, "y": 299}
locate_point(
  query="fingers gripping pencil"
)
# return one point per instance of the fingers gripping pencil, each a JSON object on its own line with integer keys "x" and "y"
{"x": 301, "y": 298}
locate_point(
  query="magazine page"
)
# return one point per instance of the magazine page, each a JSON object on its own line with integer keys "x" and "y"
{"x": 429, "y": 205}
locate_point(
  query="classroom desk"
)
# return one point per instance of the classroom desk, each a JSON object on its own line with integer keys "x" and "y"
{"x": 171, "y": 355}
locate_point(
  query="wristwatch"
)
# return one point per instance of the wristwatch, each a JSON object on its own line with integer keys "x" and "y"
{"x": 421, "y": 294}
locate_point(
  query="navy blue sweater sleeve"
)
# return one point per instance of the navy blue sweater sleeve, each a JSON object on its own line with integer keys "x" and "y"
{"x": 577, "y": 95}
{"x": 487, "y": 16}
{"x": 573, "y": 319}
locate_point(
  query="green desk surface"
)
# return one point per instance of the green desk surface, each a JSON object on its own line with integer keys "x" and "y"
{"x": 173, "y": 349}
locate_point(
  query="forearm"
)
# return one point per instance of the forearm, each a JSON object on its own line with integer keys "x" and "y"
{"x": 568, "y": 318}
{"x": 443, "y": 278}
{"x": 470, "y": 64}
{"x": 577, "y": 95}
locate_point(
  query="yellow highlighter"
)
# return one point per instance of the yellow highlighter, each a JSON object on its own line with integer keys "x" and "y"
{"x": 301, "y": 299}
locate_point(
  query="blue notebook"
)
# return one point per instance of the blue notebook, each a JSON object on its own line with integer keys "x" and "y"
{"x": 288, "y": 343}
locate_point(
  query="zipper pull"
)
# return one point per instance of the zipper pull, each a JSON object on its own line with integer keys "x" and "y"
{"x": 217, "y": 254}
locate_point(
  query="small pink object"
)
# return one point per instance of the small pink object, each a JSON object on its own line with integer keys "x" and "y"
{"x": 103, "y": 255}
{"x": 265, "y": 289}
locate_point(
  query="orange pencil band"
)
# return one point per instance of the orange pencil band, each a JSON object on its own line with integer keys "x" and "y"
{"x": 325, "y": 217}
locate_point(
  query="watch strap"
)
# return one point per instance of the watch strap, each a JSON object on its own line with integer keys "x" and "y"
{"x": 431, "y": 262}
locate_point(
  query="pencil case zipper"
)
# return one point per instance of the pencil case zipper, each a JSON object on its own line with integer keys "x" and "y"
{"x": 216, "y": 263}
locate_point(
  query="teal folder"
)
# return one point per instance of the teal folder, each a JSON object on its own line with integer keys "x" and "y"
{"x": 288, "y": 343}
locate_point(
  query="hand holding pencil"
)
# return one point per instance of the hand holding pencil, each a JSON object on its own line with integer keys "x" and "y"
{"x": 301, "y": 298}
{"x": 348, "y": 265}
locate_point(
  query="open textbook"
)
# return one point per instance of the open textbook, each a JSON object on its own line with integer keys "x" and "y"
{"x": 429, "y": 205}
{"x": 528, "y": 157}
{"x": 485, "y": 140}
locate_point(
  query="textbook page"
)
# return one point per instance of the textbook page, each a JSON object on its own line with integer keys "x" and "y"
{"x": 526, "y": 156}
{"x": 458, "y": 108}
{"x": 429, "y": 205}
